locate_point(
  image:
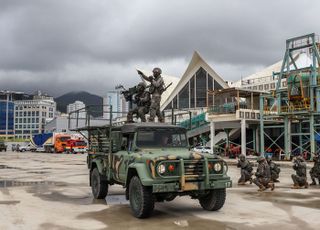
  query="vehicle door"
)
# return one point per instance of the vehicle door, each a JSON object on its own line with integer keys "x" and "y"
{"x": 121, "y": 159}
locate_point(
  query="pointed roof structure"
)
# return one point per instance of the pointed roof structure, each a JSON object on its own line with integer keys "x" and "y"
{"x": 196, "y": 62}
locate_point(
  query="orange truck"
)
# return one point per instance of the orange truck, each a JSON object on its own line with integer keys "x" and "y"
{"x": 76, "y": 146}
{"x": 56, "y": 143}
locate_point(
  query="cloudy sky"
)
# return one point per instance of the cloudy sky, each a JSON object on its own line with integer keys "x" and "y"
{"x": 60, "y": 46}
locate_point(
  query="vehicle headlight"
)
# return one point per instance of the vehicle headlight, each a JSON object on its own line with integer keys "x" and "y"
{"x": 217, "y": 167}
{"x": 161, "y": 169}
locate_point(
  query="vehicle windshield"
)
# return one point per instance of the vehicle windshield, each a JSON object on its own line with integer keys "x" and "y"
{"x": 64, "y": 138}
{"x": 161, "y": 138}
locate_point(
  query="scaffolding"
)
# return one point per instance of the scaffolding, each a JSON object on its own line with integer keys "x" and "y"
{"x": 294, "y": 109}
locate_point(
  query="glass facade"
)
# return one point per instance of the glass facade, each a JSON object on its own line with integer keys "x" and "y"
{"x": 184, "y": 97}
{"x": 3, "y": 115}
{"x": 194, "y": 93}
{"x": 201, "y": 83}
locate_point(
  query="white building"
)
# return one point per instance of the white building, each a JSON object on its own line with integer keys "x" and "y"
{"x": 30, "y": 116}
{"x": 113, "y": 98}
{"x": 76, "y": 106}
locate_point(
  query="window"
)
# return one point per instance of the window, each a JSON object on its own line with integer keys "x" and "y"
{"x": 210, "y": 87}
{"x": 255, "y": 87}
{"x": 201, "y": 88}
{"x": 266, "y": 87}
{"x": 192, "y": 91}
{"x": 273, "y": 85}
{"x": 175, "y": 102}
{"x": 217, "y": 85}
{"x": 184, "y": 97}
{"x": 260, "y": 87}
{"x": 161, "y": 138}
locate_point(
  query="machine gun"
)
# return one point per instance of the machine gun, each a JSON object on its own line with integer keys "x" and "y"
{"x": 127, "y": 93}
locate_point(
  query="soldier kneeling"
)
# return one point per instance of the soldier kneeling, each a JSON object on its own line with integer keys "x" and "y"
{"x": 263, "y": 175}
{"x": 315, "y": 170}
{"x": 274, "y": 169}
{"x": 300, "y": 178}
{"x": 246, "y": 170}
{"x": 143, "y": 101}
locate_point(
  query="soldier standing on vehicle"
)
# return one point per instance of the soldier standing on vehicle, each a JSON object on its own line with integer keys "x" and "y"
{"x": 142, "y": 99}
{"x": 156, "y": 89}
{"x": 315, "y": 170}
{"x": 246, "y": 170}
{"x": 274, "y": 168}
{"x": 300, "y": 178}
{"x": 263, "y": 175}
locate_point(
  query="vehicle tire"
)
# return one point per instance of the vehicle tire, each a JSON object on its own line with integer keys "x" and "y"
{"x": 98, "y": 186}
{"x": 214, "y": 200}
{"x": 141, "y": 199}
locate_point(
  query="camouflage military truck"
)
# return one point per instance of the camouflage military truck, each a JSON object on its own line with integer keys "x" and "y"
{"x": 153, "y": 162}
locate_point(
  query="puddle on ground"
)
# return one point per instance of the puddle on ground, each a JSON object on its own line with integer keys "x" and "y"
{"x": 7, "y": 167}
{"x": 38, "y": 172}
{"x": 10, "y": 202}
{"x": 116, "y": 199}
{"x": 120, "y": 217}
{"x": 13, "y": 183}
{"x": 46, "y": 193}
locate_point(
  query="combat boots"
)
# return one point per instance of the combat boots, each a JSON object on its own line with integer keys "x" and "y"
{"x": 295, "y": 186}
{"x": 313, "y": 182}
{"x": 306, "y": 185}
{"x": 262, "y": 188}
{"x": 271, "y": 186}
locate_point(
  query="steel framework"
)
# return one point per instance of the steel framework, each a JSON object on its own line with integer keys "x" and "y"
{"x": 295, "y": 108}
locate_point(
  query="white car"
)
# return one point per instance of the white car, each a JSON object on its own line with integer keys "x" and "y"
{"x": 202, "y": 149}
{"x": 28, "y": 147}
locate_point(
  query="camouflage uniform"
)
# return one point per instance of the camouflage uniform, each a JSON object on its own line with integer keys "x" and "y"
{"x": 142, "y": 99}
{"x": 263, "y": 175}
{"x": 275, "y": 170}
{"x": 300, "y": 178}
{"x": 156, "y": 89}
{"x": 246, "y": 170}
{"x": 315, "y": 170}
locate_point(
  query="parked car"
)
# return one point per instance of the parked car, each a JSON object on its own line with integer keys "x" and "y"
{"x": 202, "y": 149}
{"x": 28, "y": 147}
{"x": 3, "y": 146}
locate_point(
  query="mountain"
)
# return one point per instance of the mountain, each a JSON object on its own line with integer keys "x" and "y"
{"x": 85, "y": 97}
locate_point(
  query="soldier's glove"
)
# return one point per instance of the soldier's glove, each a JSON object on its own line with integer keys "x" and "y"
{"x": 139, "y": 72}
{"x": 151, "y": 78}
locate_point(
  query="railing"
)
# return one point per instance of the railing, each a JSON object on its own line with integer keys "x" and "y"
{"x": 227, "y": 108}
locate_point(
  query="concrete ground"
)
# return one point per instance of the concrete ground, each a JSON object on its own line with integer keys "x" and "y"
{"x": 50, "y": 191}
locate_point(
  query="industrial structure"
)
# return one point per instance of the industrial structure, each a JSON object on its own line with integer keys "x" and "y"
{"x": 294, "y": 109}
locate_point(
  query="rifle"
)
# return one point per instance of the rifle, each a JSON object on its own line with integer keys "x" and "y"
{"x": 127, "y": 93}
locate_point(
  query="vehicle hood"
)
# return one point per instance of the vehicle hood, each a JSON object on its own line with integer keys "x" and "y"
{"x": 172, "y": 154}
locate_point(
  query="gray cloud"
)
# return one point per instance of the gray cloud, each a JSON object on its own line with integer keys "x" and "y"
{"x": 66, "y": 45}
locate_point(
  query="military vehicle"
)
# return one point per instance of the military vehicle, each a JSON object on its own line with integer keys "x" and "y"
{"x": 3, "y": 146}
{"x": 154, "y": 163}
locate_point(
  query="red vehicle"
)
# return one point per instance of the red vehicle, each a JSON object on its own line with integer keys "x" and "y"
{"x": 76, "y": 146}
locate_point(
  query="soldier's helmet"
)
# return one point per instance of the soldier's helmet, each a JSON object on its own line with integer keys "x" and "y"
{"x": 242, "y": 157}
{"x": 269, "y": 158}
{"x": 141, "y": 86}
{"x": 260, "y": 159}
{"x": 157, "y": 70}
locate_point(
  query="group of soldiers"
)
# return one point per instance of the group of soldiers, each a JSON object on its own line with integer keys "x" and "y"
{"x": 148, "y": 100}
{"x": 268, "y": 172}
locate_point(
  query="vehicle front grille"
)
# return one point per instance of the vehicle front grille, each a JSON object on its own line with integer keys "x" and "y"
{"x": 193, "y": 167}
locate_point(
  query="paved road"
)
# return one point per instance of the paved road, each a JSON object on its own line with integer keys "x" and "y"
{"x": 50, "y": 191}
